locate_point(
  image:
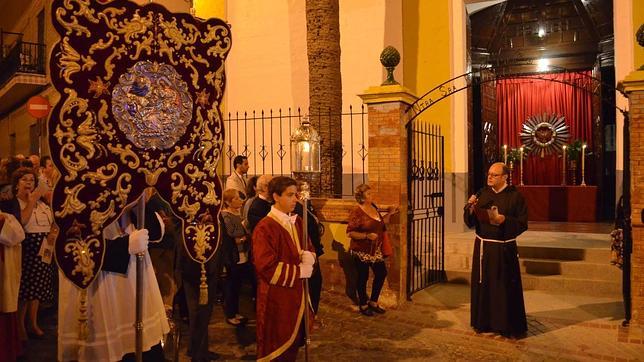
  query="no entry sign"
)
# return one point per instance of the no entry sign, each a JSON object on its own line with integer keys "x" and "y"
{"x": 38, "y": 106}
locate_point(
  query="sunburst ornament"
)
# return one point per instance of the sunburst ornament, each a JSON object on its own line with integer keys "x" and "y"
{"x": 544, "y": 134}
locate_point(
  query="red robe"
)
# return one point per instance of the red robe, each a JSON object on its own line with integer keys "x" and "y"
{"x": 280, "y": 293}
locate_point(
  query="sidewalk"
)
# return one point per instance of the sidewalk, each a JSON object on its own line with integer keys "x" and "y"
{"x": 436, "y": 325}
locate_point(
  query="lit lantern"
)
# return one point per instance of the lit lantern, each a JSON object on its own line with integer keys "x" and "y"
{"x": 305, "y": 148}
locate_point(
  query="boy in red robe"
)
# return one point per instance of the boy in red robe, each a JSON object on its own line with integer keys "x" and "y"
{"x": 281, "y": 260}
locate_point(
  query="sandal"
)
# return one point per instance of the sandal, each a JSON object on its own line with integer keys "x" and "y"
{"x": 233, "y": 321}
{"x": 376, "y": 308}
{"x": 365, "y": 310}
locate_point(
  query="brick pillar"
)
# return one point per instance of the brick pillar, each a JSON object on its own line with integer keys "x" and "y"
{"x": 634, "y": 87}
{"x": 388, "y": 170}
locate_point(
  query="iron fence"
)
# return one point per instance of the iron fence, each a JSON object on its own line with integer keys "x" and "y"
{"x": 21, "y": 57}
{"x": 264, "y": 137}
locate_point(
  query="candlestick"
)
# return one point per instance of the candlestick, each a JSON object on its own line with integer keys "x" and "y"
{"x": 563, "y": 167}
{"x": 505, "y": 154}
{"x": 521, "y": 166}
{"x": 583, "y": 163}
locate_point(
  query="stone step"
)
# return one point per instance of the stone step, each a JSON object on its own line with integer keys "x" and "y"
{"x": 561, "y": 253}
{"x": 592, "y": 255}
{"x": 554, "y": 283}
{"x": 572, "y": 269}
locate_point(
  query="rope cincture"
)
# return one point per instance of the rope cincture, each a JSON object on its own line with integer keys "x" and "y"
{"x": 481, "y": 252}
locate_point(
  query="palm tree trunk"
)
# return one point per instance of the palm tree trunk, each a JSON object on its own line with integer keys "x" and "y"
{"x": 325, "y": 90}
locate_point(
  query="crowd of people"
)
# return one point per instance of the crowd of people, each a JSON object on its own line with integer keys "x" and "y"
{"x": 261, "y": 246}
{"x": 26, "y": 249}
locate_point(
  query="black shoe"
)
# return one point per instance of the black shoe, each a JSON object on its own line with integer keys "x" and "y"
{"x": 366, "y": 311}
{"x": 376, "y": 308}
{"x": 211, "y": 356}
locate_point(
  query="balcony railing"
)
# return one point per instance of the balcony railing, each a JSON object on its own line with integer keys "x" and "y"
{"x": 21, "y": 57}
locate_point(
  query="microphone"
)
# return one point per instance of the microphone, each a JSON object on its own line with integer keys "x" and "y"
{"x": 468, "y": 204}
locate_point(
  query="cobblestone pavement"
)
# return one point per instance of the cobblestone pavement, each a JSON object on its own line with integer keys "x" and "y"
{"x": 434, "y": 326}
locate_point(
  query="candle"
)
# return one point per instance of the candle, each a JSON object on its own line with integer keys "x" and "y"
{"x": 505, "y": 154}
{"x": 521, "y": 166}
{"x": 583, "y": 164}
{"x": 563, "y": 166}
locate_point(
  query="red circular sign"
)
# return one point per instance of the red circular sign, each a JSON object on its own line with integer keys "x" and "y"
{"x": 38, "y": 106}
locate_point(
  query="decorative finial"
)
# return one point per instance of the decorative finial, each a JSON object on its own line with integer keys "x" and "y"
{"x": 389, "y": 58}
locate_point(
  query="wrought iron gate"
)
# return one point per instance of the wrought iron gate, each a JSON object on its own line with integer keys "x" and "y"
{"x": 426, "y": 193}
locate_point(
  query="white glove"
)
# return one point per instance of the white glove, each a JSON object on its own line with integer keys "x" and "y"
{"x": 305, "y": 271}
{"x": 138, "y": 241}
{"x": 307, "y": 257}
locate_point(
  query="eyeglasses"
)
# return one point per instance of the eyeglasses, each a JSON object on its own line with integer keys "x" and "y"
{"x": 494, "y": 174}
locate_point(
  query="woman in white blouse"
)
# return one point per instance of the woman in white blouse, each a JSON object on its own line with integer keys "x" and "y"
{"x": 36, "y": 282}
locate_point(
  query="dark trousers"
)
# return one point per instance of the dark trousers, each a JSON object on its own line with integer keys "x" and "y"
{"x": 199, "y": 316}
{"x": 237, "y": 273}
{"x": 315, "y": 287}
{"x": 379, "y": 275}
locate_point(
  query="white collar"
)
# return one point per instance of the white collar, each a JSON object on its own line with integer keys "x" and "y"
{"x": 502, "y": 188}
{"x": 263, "y": 198}
{"x": 283, "y": 217}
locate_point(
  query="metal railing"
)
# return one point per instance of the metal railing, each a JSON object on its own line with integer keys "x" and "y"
{"x": 264, "y": 137}
{"x": 19, "y": 56}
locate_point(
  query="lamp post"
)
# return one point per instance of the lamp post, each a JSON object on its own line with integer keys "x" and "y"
{"x": 305, "y": 162}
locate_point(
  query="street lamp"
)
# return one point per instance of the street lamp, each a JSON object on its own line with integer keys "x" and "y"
{"x": 305, "y": 157}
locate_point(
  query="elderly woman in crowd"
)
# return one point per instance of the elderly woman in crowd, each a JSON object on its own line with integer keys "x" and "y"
{"x": 235, "y": 248}
{"x": 366, "y": 229}
{"x": 36, "y": 282}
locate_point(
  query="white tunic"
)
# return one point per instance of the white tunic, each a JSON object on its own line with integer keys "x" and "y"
{"x": 11, "y": 237}
{"x": 111, "y": 301}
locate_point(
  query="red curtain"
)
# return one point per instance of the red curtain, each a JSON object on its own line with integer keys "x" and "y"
{"x": 521, "y": 97}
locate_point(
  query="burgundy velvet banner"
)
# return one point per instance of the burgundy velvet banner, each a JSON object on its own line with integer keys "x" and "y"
{"x": 522, "y": 97}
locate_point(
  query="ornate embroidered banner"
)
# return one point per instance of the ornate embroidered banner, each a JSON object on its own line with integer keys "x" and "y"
{"x": 140, "y": 92}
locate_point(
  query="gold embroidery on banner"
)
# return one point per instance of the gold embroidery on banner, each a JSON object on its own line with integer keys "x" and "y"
{"x": 125, "y": 153}
{"x": 72, "y": 167}
{"x": 211, "y": 196}
{"x": 83, "y": 257}
{"x": 194, "y": 173}
{"x": 194, "y": 72}
{"x": 201, "y": 235}
{"x": 121, "y": 191}
{"x": 145, "y": 45}
{"x": 177, "y": 189}
{"x": 100, "y": 45}
{"x": 116, "y": 54}
{"x": 98, "y": 218}
{"x": 71, "y": 26}
{"x": 197, "y": 57}
{"x": 100, "y": 176}
{"x": 135, "y": 27}
{"x": 151, "y": 177}
{"x": 71, "y": 205}
{"x": 87, "y": 137}
{"x": 190, "y": 209}
{"x": 102, "y": 197}
{"x": 222, "y": 44}
{"x": 108, "y": 130}
{"x": 180, "y": 153}
{"x": 70, "y": 60}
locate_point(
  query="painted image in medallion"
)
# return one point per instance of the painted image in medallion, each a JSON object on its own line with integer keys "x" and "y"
{"x": 152, "y": 105}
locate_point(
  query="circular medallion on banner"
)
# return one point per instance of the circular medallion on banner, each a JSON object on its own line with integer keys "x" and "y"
{"x": 152, "y": 105}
